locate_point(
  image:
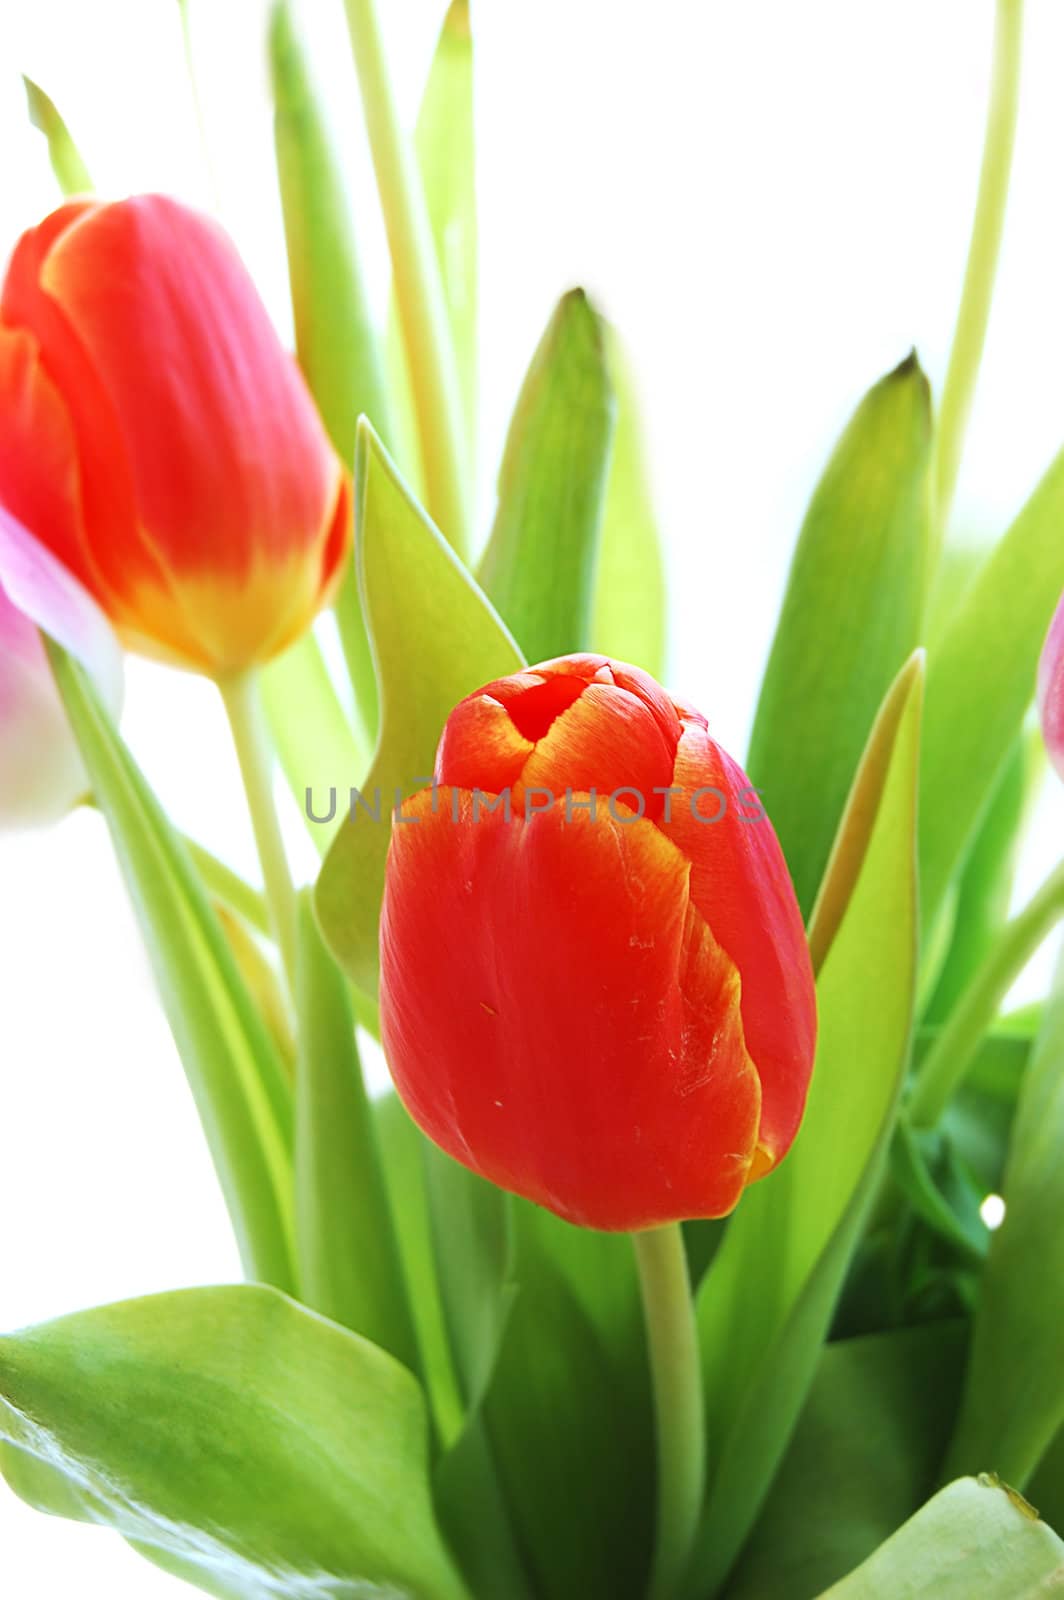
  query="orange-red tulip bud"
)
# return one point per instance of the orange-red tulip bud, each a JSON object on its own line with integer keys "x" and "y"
{"x": 160, "y": 440}
{"x": 595, "y": 985}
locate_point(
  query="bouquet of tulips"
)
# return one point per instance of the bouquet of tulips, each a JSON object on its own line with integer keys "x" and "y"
{"x": 712, "y": 1240}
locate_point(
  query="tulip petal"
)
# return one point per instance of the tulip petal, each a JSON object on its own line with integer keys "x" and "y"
{"x": 480, "y": 748}
{"x": 605, "y": 669}
{"x": 1051, "y": 690}
{"x": 119, "y": 557}
{"x": 39, "y": 481}
{"x": 51, "y": 598}
{"x": 559, "y": 1016}
{"x": 41, "y": 772}
{"x": 185, "y": 350}
{"x": 740, "y": 884}
{"x": 607, "y": 740}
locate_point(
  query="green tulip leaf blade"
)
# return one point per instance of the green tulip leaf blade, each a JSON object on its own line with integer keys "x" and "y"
{"x": 863, "y": 1458}
{"x": 435, "y": 639}
{"x": 568, "y": 1409}
{"x": 976, "y": 1537}
{"x": 984, "y": 890}
{"x": 349, "y": 1264}
{"x": 71, "y": 173}
{"x": 765, "y": 1303}
{"x": 540, "y": 563}
{"x": 851, "y": 615}
{"x": 445, "y": 148}
{"x": 402, "y": 1146}
{"x": 232, "y": 1064}
{"x": 237, "y": 1439}
{"x": 980, "y": 683}
{"x": 630, "y": 609}
{"x": 1014, "y": 1395}
{"x": 336, "y": 336}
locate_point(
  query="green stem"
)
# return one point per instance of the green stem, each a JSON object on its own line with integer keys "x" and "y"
{"x": 419, "y": 294}
{"x": 950, "y": 1056}
{"x": 676, "y": 1373}
{"x": 973, "y": 314}
{"x": 240, "y": 696}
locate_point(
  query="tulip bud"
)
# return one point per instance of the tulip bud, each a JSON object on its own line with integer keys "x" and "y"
{"x": 194, "y": 491}
{"x": 41, "y": 773}
{"x": 595, "y": 985}
{"x": 1051, "y": 690}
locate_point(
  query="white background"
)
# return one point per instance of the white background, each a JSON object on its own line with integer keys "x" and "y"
{"x": 772, "y": 200}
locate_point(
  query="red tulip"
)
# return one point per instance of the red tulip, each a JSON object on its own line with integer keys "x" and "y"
{"x": 192, "y": 488}
{"x": 610, "y": 1013}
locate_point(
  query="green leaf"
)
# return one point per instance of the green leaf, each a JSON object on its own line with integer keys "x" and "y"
{"x": 71, "y": 173}
{"x": 980, "y": 683}
{"x": 237, "y": 1079}
{"x": 914, "y": 1156}
{"x": 863, "y": 1458}
{"x": 470, "y": 1221}
{"x": 765, "y": 1303}
{"x": 985, "y": 889}
{"x": 1014, "y": 1396}
{"x": 980, "y": 1116}
{"x": 441, "y": 1263}
{"x": 847, "y": 858}
{"x": 539, "y": 566}
{"x": 402, "y": 1146}
{"x": 569, "y": 1411}
{"x": 975, "y": 1538}
{"x": 851, "y": 615}
{"x": 315, "y": 743}
{"x": 336, "y": 340}
{"x": 446, "y": 155}
{"x": 630, "y": 610}
{"x": 1047, "y": 1486}
{"x": 238, "y": 1439}
{"x": 435, "y": 639}
{"x": 349, "y": 1265}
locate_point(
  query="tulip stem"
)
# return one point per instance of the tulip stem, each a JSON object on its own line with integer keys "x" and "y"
{"x": 946, "y": 1063}
{"x": 676, "y": 1375}
{"x": 427, "y": 340}
{"x": 984, "y": 249}
{"x": 240, "y": 696}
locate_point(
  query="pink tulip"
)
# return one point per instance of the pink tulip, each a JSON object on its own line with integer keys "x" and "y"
{"x": 41, "y": 772}
{"x": 1051, "y": 689}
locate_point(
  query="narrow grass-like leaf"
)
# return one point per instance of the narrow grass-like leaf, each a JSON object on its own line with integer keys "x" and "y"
{"x": 765, "y": 1303}
{"x": 1014, "y": 1396}
{"x": 336, "y": 339}
{"x": 402, "y": 1148}
{"x": 446, "y": 156}
{"x": 629, "y": 613}
{"x": 851, "y": 615}
{"x": 435, "y": 639}
{"x": 975, "y": 1538}
{"x": 863, "y": 1458}
{"x": 985, "y": 889}
{"x": 233, "y": 1069}
{"x": 239, "y": 1440}
{"x": 980, "y": 682}
{"x": 72, "y": 175}
{"x": 539, "y": 566}
{"x": 349, "y": 1265}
